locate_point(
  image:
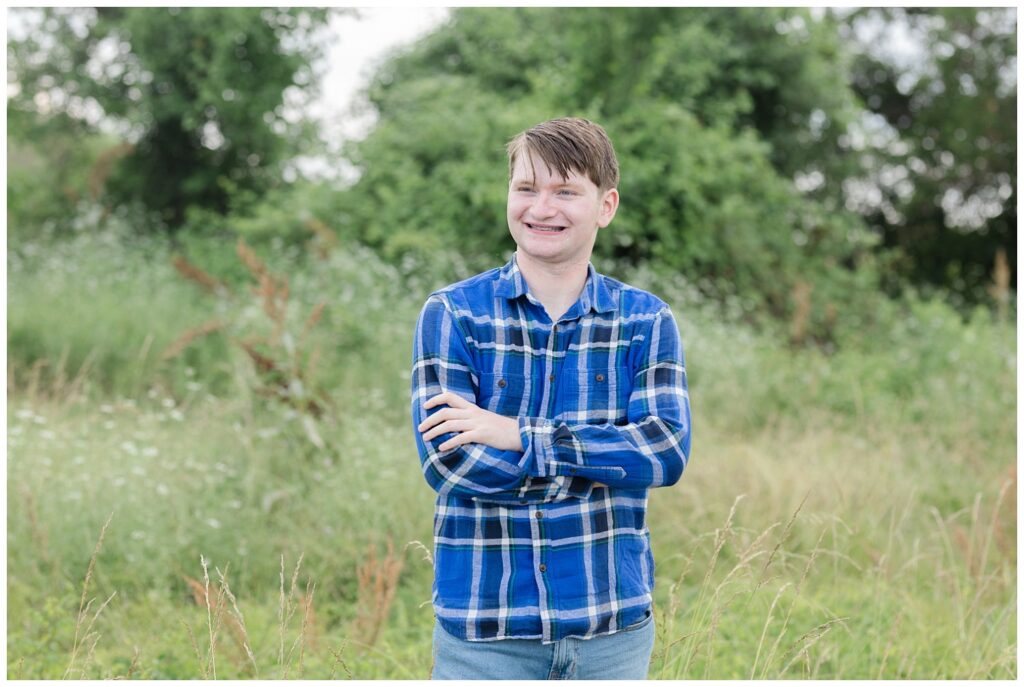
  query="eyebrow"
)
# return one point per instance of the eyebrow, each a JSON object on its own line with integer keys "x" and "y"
{"x": 532, "y": 182}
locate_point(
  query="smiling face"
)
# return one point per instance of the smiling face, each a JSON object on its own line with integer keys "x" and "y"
{"x": 554, "y": 220}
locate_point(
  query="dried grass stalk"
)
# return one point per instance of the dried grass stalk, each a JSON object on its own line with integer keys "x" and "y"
{"x": 801, "y": 312}
{"x": 249, "y": 258}
{"x": 212, "y": 656}
{"x": 194, "y": 274}
{"x": 285, "y": 612}
{"x": 131, "y": 668}
{"x": 1000, "y": 288}
{"x": 195, "y": 648}
{"x": 264, "y": 363}
{"x": 378, "y": 581}
{"x": 179, "y": 345}
{"x": 237, "y": 621}
{"x": 83, "y": 607}
{"x": 311, "y": 321}
{"x": 338, "y": 659}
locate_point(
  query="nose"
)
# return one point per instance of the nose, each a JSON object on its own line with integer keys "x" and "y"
{"x": 542, "y": 207}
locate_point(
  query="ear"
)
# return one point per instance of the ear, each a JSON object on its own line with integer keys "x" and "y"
{"x": 609, "y": 204}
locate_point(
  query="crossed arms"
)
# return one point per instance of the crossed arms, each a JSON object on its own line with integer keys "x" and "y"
{"x": 497, "y": 459}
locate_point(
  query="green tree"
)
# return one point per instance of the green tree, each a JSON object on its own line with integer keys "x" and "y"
{"x": 198, "y": 93}
{"x": 946, "y": 172}
{"x": 709, "y": 110}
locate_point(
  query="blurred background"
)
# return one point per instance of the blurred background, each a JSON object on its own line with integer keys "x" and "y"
{"x": 222, "y": 224}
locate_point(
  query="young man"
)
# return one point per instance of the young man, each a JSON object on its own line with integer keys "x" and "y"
{"x": 547, "y": 400}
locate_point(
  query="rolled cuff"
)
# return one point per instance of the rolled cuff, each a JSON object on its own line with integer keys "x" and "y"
{"x": 553, "y": 450}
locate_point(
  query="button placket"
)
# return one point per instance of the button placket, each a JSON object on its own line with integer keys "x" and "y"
{"x": 537, "y": 536}
{"x": 549, "y": 364}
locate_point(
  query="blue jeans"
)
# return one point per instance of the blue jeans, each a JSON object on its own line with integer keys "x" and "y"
{"x": 624, "y": 655}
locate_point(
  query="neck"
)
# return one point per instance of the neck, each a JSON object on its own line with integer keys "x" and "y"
{"x": 556, "y": 286}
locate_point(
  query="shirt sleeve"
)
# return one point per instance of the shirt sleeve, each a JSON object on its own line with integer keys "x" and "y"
{"x": 650, "y": 450}
{"x": 442, "y": 362}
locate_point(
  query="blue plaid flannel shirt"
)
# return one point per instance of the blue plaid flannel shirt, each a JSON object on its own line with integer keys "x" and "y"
{"x": 549, "y": 542}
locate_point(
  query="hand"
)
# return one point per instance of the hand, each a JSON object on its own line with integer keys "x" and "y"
{"x": 472, "y": 423}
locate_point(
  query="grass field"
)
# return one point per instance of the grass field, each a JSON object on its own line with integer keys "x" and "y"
{"x": 850, "y": 515}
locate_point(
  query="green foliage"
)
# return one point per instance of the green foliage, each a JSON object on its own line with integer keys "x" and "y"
{"x": 947, "y": 171}
{"x": 71, "y": 159}
{"x": 198, "y": 92}
{"x": 706, "y": 111}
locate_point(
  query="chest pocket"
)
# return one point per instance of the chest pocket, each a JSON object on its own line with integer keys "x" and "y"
{"x": 504, "y": 394}
{"x": 597, "y": 396}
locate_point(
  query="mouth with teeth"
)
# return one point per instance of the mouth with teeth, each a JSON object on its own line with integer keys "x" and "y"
{"x": 544, "y": 228}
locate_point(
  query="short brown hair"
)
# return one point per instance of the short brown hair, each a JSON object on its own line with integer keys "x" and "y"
{"x": 566, "y": 145}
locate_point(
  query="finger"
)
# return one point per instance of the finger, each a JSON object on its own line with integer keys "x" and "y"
{"x": 457, "y": 440}
{"x": 438, "y": 400}
{"x": 454, "y": 400}
{"x": 444, "y": 427}
{"x": 430, "y": 421}
{"x": 441, "y": 416}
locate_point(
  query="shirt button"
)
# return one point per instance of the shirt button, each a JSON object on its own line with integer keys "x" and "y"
{"x": 501, "y": 383}
{"x": 551, "y": 378}
{"x": 599, "y": 377}
{"x": 543, "y": 568}
{"x": 539, "y": 515}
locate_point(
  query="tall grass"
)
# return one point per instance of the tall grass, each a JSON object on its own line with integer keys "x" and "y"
{"x": 844, "y": 515}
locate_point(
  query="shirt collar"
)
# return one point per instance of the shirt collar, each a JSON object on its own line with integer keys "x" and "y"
{"x": 595, "y": 296}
